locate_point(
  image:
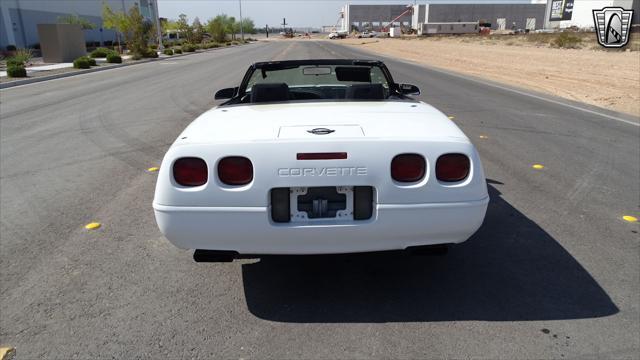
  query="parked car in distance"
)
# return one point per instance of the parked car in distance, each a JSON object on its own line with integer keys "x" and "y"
{"x": 367, "y": 34}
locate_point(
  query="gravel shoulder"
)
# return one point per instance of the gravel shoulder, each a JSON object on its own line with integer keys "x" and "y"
{"x": 607, "y": 79}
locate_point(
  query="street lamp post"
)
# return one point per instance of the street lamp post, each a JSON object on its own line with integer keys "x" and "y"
{"x": 156, "y": 12}
{"x": 241, "y": 26}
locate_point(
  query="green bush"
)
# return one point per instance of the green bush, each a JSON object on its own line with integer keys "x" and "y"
{"x": 82, "y": 63}
{"x": 567, "y": 41}
{"x": 136, "y": 56}
{"x": 177, "y": 51}
{"x": 100, "y": 52}
{"x": 114, "y": 58}
{"x": 16, "y": 71}
{"x": 21, "y": 57}
{"x": 227, "y": 44}
{"x": 235, "y": 43}
{"x": 168, "y": 52}
{"x": 153, "y": 47}
{"x": 188, "y": 48}
{"x": 150, "y": 53}
{"x": 92, "y": 61}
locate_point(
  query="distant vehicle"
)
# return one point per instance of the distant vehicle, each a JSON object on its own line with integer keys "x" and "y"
{"x": 337, "y": 35}
{"x": 319, "y": 157}
{"x": 367, "y": 34}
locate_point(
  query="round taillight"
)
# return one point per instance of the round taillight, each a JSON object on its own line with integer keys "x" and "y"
{"x": 190, "y": 171}
{"x": 408, "y": 167}
{"x": 452, "y": 167}
{"x": 235, "y": 170}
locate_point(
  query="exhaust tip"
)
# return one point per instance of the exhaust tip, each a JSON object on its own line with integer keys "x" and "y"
{"x": 210, "y": 256}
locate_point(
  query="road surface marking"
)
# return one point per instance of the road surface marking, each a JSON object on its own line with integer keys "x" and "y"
{"x": 92, "y": 226}
{"x": 538, "y": 166}
{"x": 7, "y": 353}
{"x": 153, "y": 169}
{"x": 630, "y": 218}
{"x": 483, "y": 137}
{"x": 451, "y": 117}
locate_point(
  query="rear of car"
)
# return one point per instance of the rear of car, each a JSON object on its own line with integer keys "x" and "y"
{"x": 267, "y": 175}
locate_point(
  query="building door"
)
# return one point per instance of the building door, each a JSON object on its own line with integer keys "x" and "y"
{"x": 501, "y": 23}
{"x": 531, "y": 24}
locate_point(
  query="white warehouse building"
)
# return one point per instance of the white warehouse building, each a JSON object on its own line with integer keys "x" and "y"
{"x": 19, "y": 18}
{"x": 502, "y": 15}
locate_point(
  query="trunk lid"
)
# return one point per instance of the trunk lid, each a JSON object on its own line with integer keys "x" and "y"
{"x": 363, "y": 120}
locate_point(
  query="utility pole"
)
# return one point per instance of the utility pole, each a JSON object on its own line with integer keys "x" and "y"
{"x": 284, "y": 25}
{"x": 154, "y": 4}
{"x": 266, "y": 30}
{"x": 241, "y": 26}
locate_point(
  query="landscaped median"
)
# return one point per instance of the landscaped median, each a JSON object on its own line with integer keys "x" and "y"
{"x": 29, "y": 71}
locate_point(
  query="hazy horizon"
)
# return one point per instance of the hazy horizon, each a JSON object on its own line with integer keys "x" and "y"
{"x": 300, "y": 13}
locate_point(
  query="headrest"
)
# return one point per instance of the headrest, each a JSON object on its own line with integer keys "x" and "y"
{"x": 269, "y": 92}
{"x": 365, "y": 92}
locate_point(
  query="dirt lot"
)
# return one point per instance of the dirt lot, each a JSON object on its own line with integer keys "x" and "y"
{"x": 610, "y": 79}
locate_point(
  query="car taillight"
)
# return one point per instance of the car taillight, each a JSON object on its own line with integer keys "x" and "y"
{"x": 452, "y": 167}
{"x": 235, "y": 170}
{"x": 190, "y": 171}
{"x": 408, "y": 167}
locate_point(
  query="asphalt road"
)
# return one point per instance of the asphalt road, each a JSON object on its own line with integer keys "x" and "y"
{"x": 553, "y": 272}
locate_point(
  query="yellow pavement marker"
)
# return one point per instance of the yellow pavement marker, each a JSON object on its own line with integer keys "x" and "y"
{"x": 630, "y": 218}
{"x": 153, "y": 169}
{"x": 7, "y": 353}
{"x": 92, "y": 225}
{"x": 483, "y": 137}
{"x": 538, "y": 166}
{"x": 451, "y": 117}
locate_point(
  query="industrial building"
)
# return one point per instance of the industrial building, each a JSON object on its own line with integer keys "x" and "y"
{"x": 538, "y": 14}
{"x": 19, "y": 18}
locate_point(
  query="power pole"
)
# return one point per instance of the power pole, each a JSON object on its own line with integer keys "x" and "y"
{"x": 154, "y": 4}
{"x": 241, "y": 26}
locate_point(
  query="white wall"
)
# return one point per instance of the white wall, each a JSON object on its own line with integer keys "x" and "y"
{"x": 582, "y": 12}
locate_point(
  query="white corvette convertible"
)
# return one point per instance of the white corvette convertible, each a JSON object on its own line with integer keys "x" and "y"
{"x": 317, "y": 157}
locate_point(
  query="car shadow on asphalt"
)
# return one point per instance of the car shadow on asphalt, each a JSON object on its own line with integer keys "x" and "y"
{"x": 510, "y": 270}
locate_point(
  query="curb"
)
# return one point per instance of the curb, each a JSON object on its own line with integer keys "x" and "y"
{"x": 11, "y": 84}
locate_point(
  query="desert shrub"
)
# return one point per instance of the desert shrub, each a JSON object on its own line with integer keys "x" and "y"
{"x": 150, "y": 53}
{"x": 567, "y": 41}
{"x": 21, "y": 57}
{"x": 168, "y": 52}
{"x": 114, "y": 58}
{"x": 227, "y": 43}
{"x": 82, "y": 63}
{"x": 16, "y": 71}
{"x": 153, "y": 46}
{"x": 177, "y": 51}
{"x": 136, "y": 56}
{"x": 100, "y": 52}
{"x": 188, "y": 48}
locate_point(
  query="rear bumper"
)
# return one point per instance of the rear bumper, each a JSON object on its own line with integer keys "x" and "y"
{"x": 249, "y": 230}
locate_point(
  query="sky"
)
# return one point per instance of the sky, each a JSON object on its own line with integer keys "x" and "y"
{"x": 300, "y": 13}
